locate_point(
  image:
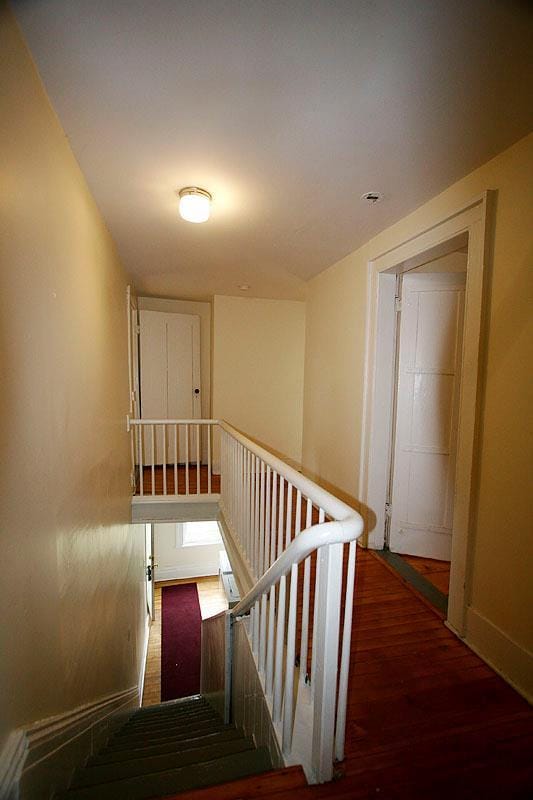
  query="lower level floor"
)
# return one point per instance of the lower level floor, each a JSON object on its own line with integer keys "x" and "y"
{"x": 212, "y": 599}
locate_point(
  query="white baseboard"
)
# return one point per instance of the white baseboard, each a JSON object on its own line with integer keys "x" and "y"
{"x": 187, "y": 571}
{"x": 38, "y": 761}
{"x": 513, "y": 662}
{"x": 142, "y": 671}
{"x": 12, "y": 760}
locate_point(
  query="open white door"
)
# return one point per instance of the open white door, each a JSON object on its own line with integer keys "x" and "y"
{"x": 429, "y": 363}
{"x": 170, "y": 375}
{"x": 150, "y": 569}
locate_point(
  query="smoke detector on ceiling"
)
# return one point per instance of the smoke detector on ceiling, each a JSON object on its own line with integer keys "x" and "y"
{"x": 372, "y": 197}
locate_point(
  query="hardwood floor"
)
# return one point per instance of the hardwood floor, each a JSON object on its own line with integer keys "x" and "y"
{"x": 178, "y": 476}
{"x": 212, "y": 600}
{"x": 438, "y": 572}
{"x": 427, "y": 718}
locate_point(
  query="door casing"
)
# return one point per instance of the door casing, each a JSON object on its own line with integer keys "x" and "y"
{"x": 468, "y": 224}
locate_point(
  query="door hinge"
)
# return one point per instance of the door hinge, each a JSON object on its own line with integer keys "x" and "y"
{"x": 388, "y": 510}
{"x": 138, "y": 330}
{"x": 397, "y": 304}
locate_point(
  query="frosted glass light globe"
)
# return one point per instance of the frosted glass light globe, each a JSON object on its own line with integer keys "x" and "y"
{"x": 195, "y": 204}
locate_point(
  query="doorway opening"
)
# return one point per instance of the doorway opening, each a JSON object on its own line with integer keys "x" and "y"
{"x": 427, "y": 331}
{"x": 466, "y": 231}
{"x": 187, "y": 561}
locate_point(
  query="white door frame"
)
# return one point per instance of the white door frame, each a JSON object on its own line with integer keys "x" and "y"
{"x": 471, "y": 221}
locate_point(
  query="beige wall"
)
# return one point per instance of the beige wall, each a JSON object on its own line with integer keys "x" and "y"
{"x": 72, "y": 593}
{"x": 501, "y": 599}
{"x": 203, "y": 310}
{"x": 258, "y": 356}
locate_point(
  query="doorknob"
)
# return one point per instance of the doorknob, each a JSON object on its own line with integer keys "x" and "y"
{"x": 197, "y": 391}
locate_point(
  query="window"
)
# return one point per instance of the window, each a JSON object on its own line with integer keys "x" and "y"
{"x": 196, "y": 534}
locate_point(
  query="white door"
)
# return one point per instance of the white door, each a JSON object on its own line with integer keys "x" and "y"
{"x": 150, "y": 569}
{"x": 170, "y": 376}
{"x": 429, "y": 362}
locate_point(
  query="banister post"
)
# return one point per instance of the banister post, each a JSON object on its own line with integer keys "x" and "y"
{"x": 326, "y": 642}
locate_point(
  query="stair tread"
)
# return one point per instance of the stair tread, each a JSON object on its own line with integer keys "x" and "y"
{"x": 158, "y": 712}
{"x": 172, "y": 781}
{"x": 176, "y": 745}
{"x": 165, "y": 732}
{"x": 265, "y": 784}
{"x": 148, "y": 724}
{"x": 100, "y": 773}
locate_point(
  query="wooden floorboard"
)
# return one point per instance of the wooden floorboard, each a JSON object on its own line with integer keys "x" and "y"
{"x": 437, "y": 572}
{"x": 178, "y": 478}
{"x": 427, "y": 718}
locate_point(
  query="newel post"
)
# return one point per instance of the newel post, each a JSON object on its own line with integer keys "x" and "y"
{"x": 326, "y": 642}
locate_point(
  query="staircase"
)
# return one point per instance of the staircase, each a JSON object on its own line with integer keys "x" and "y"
{"x": 167, "y": 749}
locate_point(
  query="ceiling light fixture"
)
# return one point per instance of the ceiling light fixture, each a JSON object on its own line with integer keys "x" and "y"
{"x": 195, "y": 204}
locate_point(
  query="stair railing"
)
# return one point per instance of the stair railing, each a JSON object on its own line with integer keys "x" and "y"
{"x": 172, "y": 459}
{"x": 293, "y": 535}
{"x": 298, "y": 542}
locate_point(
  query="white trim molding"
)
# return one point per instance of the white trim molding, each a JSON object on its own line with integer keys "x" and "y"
{"x": 38, "y": 760}
{"x": 142, "y": 671}
{"x": 181, "y": 571}
{"x": 12, "y": 760}
{"x": 468, "y": 221}
{"x": 500, "y": 652}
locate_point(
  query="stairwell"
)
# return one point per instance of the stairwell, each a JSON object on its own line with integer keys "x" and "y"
{"x": 167, "y": 749}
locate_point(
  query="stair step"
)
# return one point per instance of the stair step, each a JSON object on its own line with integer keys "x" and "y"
{"x": 266, "y": 784}
{"x": 172, "y": 737}
{"x": 89, "y": 776}
{"x": 175, "y": 721}
{"x": 166, "y": 732}
{"x": 172, "y": 781}
{"x": 173, "y": 706}
{"x": 176, "y": 746}
{"x": 179, "y": 711}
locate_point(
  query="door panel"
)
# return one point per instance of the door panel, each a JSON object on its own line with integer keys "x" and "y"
{"x": 429, "y": 362}
{"x": 170, "y": 374}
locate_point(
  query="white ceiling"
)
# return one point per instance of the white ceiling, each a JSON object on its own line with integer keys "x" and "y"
{"x": 286, "y": 111}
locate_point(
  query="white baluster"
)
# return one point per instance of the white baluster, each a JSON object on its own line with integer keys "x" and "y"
{"x": 262, "y": 635}
{"x": 266, "y": 561}
{"x": 256, "y": 518}
{"x": 288, "y": 711}
{"x": 342, "y": 700}
{"x": 152, "y": 431}
{"x": 209, "y": 459}
{"x": 278, "y": 659}
{"x": 141, "y": 467}
{"x": 261, "y": 552}
{"x": 164, "y": 459}
{"x": 280, "y": 515}
{"x": 198, "y": 470}
{"x": 273, "y": 517}
{"x": 304, "y": 640}
{"x": 321, "y": 517}
{"x": 270, "y": 645}
{"x": 252, "y": 513}
{"x": 288, "y": 521}
{"x": 186, "y": 459}
{"x": 175, "y": 459}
